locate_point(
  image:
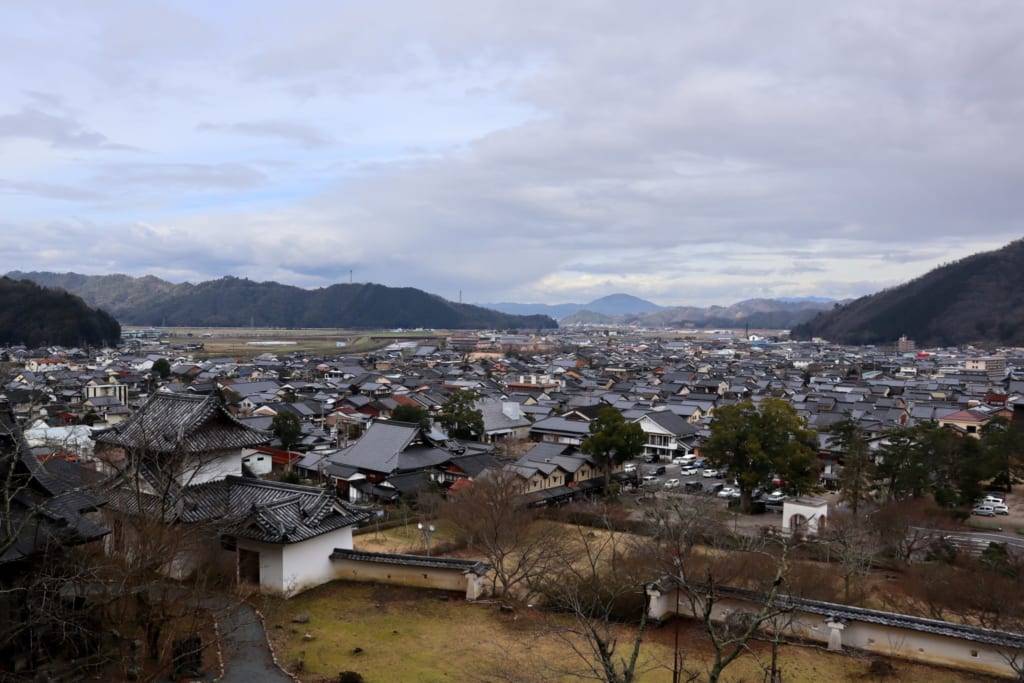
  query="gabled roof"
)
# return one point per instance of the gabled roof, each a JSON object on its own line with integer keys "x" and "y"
{"x": 180, "y": 423}
{"x": 274, "y": 512}
{"x": 379, "y": 447}
{"x": 671, "y": 422}
{"x": 259, "y": 510}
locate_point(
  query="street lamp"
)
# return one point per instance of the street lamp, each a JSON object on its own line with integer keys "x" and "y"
{"x": 425, "y": 531}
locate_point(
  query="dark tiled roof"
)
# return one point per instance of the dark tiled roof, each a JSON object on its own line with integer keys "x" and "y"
{"x": 49, "y": 500}
{"x": 466, "y": 566}
{"x": 179, "y": 423}
{"x": 256, "y": 509}
{"x": 286, "y": 513}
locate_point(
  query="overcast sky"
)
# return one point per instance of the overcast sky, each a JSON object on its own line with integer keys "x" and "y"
{"x": 684, "y": 152}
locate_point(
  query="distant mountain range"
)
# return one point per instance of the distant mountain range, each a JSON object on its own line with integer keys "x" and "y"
{"x": 239, "y": 302}
{"x": 613, "y": 304}
{"x": 37, "y": 316}
{"x": 978, "y": 299}
{"x": 626, "y": 309}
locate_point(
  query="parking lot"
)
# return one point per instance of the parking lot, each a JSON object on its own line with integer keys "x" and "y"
{"x": 674, "y": 481}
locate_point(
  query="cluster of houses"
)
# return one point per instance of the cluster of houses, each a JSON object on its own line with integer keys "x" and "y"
{"x": 200, "y": 431}
{"x": 127, "y": 408}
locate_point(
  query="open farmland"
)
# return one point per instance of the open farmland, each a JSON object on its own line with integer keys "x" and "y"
{"x": 247, "y": 342}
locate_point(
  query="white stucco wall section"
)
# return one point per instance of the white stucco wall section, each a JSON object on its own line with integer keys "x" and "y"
{"x": 213, "y": 468}
{"x": 308, "y": 563}
{"x": 884, "y": 639}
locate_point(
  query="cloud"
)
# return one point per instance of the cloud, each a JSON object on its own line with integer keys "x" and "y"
{"x": 58, "y": 131}
{"x": 188, "y": 176}
{"x": 306, "y": 136}
{"x": 690, "y": 152}
{"x": 49, "y": 191}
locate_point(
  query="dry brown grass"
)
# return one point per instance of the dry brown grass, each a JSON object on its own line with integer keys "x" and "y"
{"x": 413, "y": 635}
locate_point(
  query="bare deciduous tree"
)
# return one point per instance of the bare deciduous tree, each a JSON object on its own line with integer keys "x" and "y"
{"x": 495, "y": 520}
{"x": 596, "y": 587}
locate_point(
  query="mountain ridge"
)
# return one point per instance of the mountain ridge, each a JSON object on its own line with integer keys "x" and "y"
{"x": 237, "y": 302}
{"x": 34, "y": 315}
{"x": 976, "y": 299}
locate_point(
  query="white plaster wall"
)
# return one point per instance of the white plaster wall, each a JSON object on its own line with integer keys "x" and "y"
{"x": 308, "y": 564}
{"x": 271, "y": 564}
{"x": 258, "y": 462}
{"x": 903, "y": 643}
{"x": 213, "y": 468}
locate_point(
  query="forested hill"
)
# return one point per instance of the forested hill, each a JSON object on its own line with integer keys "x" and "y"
{"x": 236, "y": 302}
{"x": 36, "y": 316}
{"x": 978, "y": 299}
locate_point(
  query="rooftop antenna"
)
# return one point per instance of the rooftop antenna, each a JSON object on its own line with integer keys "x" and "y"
{"x": 350, "y": 276}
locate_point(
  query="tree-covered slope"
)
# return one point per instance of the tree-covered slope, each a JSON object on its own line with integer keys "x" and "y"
{"x": 978, "y": 299}
{"x": 36, "y": 316}
{"x": 234, "y": 302}
{"x": 113, "y": 293}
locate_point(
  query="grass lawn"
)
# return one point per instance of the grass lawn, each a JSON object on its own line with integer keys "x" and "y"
{"x": 407, "y": 634}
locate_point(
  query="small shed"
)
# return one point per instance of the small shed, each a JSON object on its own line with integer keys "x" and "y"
{"x": 805, "y": 516}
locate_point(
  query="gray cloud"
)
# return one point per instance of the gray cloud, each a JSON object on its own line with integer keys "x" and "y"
{"x": 307, "y": 136}
{"x": 691, "y": 152}
{"x": 49, "y": 191}
{"x": 180, "y": 176}
{"x": 58, "y": 131}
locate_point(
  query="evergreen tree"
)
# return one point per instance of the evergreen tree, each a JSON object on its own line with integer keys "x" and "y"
{"x": 612, "y": 440}
{"x": 757, "y": 442}
{"x": 460, "y": 416}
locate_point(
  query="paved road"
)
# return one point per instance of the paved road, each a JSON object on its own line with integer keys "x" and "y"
{"x": 977, "y": 541}
{"x": 247, "y": 657}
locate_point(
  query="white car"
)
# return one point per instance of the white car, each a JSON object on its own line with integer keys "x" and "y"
{"x": 776, "y": 496}
{"x": 672, "y": 483}
{"x": 650, "y": 477}
{"x": 683, "y": 459}
{"x": 688, "y": 471}
{"x": 630, "y": 467}
{"x": 709, "y": 473}
{"x": 1001, "y": 508}
{"x": 728, "y": 492}
{"x": 990, "y": 500}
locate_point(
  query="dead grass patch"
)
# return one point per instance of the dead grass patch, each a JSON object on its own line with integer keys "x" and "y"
{"x": 405, "y": 634}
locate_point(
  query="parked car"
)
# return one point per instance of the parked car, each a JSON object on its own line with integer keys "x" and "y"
{"x": 693, "y": 487}
{"x": 728, "y": 492}
{"x": 672, "y": 483}
{"x": 990, "y": 500}
{"x": 650, "y": 457}
{"x": 650, "y": 476}
{"x": 710, "y": 472}
{"x": 688, "y": 471}
{"x": 630, "y": 467}
{"x": 1001, "y": 508}
{"x": 683, "y": 459}
{"x": 657, "y": 471}
{"x": 984, "y": 511}
{"x": 776, "y": 496}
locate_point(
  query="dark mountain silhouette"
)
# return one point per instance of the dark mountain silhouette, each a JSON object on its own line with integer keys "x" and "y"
{"x": 978, "y": 299}
{"x": 236, "y": 302}
{"x": 37, "y": 316}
